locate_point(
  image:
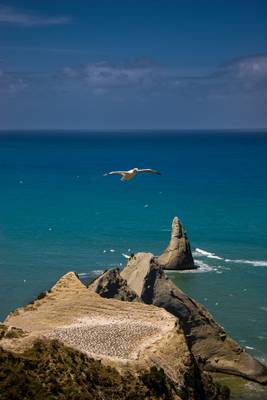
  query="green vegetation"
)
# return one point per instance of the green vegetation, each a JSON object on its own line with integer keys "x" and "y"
{"x": 50, "y": 370}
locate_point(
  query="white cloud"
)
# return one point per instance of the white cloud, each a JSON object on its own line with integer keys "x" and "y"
{"x": 252, "y": 67}
{"x": 13, "y": 16}
{"x": 104, "y": 75}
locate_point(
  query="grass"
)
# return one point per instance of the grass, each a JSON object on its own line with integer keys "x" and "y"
{"x": 50, "y": 370}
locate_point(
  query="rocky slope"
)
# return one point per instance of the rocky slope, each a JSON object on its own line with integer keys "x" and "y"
{"x": 51, "y": 347}
{"x": 51, "y": 370}
{"x": 210, "y": 345}
{"x": 177, "y": 255}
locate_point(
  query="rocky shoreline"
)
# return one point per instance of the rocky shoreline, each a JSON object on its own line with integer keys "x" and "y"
{"x": 132, "y": 328}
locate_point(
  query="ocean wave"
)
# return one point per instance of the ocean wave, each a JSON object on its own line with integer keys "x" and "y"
{"x": 126, "y": 256}
{"x": 201, "y": 267}
{"x": 90, "y": 273}
{"x": 255, "y": 263}
{"x": 204, "y": 253}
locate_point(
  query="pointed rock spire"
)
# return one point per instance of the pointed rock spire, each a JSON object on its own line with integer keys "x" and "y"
{"x": 178, "y": 253}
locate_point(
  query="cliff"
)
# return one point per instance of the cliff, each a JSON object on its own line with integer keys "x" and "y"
{"x": 212, "y": 348}
{"x": 51, "y": 370}
{"x": 74, "y": 338}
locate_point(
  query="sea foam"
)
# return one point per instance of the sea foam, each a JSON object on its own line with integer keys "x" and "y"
{"x": 201, "y": 267}
{"x": 255, "y": 263}
{"x": 204, "y": 253}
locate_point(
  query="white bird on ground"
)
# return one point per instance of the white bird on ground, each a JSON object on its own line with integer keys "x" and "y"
{"x": 128, "y": 175}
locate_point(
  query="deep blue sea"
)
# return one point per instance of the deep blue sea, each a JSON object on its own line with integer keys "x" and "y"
{"x": 58, "y": 213}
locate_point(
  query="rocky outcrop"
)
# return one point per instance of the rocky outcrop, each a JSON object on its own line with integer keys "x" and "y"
{"x": 210, "y": 345}
{"x": 177, "y": 255}
{"x": 111, "y": 285}
{"x": 143, "y": 343}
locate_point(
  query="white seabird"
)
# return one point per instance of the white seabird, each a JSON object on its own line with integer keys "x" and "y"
{"x": 128, "y": 175}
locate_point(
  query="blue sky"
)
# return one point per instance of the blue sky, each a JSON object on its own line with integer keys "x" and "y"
{"x": 133, "y": 64}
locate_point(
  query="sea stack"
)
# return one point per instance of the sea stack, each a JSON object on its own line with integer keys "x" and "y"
{"x": 177, "y": 255}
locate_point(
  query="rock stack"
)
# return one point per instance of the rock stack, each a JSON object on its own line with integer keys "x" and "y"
{"x": 177, "y": 255}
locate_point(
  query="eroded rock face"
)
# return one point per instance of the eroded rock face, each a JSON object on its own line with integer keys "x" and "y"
{"x": 210, "y": 345}
{"x": 177, "y": 255}
{"x": 111, "y": 285}
{"x": 132, "y": 337}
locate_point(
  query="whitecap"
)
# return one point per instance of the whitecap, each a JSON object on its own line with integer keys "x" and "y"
{"x": 90, "y": 273}
{"x": 201, "y": 267}
{"x": 146, "y": 205}
{"x": 125, "y": 256}
{"x": 255, "y": 263}
{"x": 262, "y": 337}
{"x": 112, "y": 250}
{"x": 205, "y": 253}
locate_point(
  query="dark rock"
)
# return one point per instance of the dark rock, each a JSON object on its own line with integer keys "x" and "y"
{"x": 210, "y": 345}
{"x": 111, "y": 285}
{"x": 178, "y": 253}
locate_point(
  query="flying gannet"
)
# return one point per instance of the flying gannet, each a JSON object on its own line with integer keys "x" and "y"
{"x": 128, "y": 175}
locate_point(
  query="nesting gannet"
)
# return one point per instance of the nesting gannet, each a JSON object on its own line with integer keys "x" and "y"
{"x": 128, "y": 175}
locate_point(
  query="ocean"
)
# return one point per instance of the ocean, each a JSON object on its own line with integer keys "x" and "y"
{"x": 59, "y": 213}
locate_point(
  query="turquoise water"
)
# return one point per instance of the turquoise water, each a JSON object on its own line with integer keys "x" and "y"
{"x": 58, "y": 213}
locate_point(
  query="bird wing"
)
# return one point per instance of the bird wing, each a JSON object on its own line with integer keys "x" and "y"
{"x": 115, "y": 173}
{"x": 151, "y": 171}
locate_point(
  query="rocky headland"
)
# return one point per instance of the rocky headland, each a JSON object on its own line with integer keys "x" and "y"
{"x": 139, "y": 350}
{"x": 130, "y": 334}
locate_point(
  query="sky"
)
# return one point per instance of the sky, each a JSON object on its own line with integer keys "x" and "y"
{"x": 133, "y": 64}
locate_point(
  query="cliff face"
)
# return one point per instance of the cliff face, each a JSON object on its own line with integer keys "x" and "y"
{"x": 138, "y": 340}
{"x": 177, "y": 255}
{"x": 51, "y": 370}
{"x": 210, "y": 345}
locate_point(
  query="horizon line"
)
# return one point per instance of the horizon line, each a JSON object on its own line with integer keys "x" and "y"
{"x": 130, "y": 129}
